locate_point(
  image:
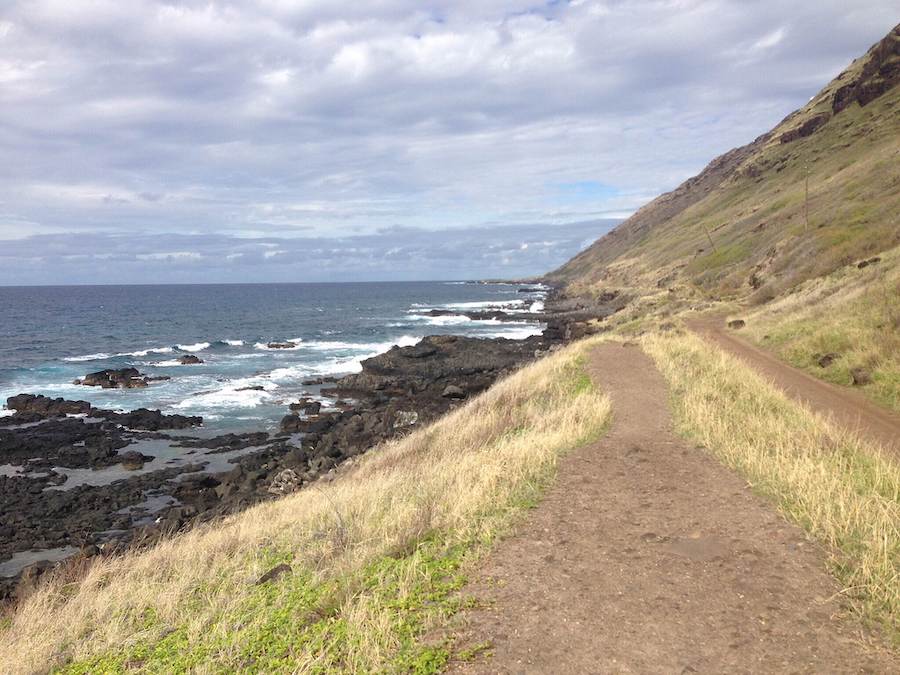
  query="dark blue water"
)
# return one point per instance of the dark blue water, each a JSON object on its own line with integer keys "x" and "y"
{"x": 51, "y": 335}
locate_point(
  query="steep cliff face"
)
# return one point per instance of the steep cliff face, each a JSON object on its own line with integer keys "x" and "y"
{"x": 818, "y": 191}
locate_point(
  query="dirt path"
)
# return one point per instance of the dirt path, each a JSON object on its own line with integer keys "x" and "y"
{"x": 649, "y": 556}
{"x": 848, "y": 408}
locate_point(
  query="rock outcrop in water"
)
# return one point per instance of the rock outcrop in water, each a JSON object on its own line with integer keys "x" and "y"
{"x": 122, "y": 378}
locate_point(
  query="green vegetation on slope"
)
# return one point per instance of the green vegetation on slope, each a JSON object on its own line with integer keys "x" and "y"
{"x": 842, "y": 491}
{"x": 376, "y": 558}
{"x": 840, "y": 325}
{"x": 749, "y": 235}
{"x": 743, "y": 234}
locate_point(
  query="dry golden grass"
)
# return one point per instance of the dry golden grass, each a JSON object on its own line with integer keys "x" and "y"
{"x": 375, "y": 555}
{"x": 853, "y": 314}
{"x": 843, "y": 491}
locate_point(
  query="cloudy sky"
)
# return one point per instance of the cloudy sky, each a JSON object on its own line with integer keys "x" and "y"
{"x": 255, "y": 140}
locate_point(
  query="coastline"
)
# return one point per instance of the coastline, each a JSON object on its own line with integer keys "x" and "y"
{"x": 395, "y": 392}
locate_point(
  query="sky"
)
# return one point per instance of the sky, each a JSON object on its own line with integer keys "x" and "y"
{"x": 312, "y": 140}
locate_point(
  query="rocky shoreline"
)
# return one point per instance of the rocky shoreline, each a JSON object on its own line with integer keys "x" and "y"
{"x": 48, "y": 445}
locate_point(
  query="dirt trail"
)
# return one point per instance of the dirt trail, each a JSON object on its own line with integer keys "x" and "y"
{"x": 649, "y": 556}
{"x": 848, "y": 408}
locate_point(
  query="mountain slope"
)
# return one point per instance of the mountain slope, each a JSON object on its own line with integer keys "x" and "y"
{"x": 815, "y": 278}
{"x": 740, "y": 228}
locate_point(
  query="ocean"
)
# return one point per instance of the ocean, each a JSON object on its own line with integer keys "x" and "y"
{"x": 49, "y": 336}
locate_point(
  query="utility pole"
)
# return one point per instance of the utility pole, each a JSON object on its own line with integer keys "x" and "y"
{"x": 806, "y": 201}
{"x": 709, "y": 236}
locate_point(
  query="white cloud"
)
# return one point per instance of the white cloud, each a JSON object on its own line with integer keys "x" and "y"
{"x": 769, "y": 40}
{"x": 170, "y": 255}
{"x": 276, "y": 118}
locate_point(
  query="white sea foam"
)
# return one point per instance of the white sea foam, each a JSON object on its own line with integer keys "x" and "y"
{"x": 377, "y": 347}
{"x": 169, "y": 362}
{"x": 197, "y": 347}
{"x": 339, "y": 365}
{"x": 486, "y": 304}
{"x": 291, "y": 373}
{"x": 335, "y": 345}
{"x": 519, "y": 332}
{"x": 88, "y": 357}
{"x": 145, "y": 352}
{"x": 511, "y": 306}
{"x": 235, "y": 395}
{"x": 265, "y": 345}
{"x": 446, "y": 320}
{"x": 103, "y": 355}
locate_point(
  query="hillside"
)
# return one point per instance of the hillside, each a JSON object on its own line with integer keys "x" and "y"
{"x": 739, "y": 228}
{"x": 742, "y": 237}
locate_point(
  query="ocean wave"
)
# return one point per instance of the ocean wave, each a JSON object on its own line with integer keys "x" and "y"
{"x": 519, "y": 332}
{"x": 446, "y": 320}
{"x": 340, "y": 365}
{"x": 196, "y": 347}
{"x": 291, "y": 373}
{"x": 237, "y": 394}
{"x": 166, "y": 364}
{"x": 265, "y": 345}
{"x": 479, "y": 305}
{"x": 146, "y": 352}
{"x": 377, "y": 347}
{"x": 104, "y": 355}
{"x": 485, "y": 304}
{"x": 88, "y": 357}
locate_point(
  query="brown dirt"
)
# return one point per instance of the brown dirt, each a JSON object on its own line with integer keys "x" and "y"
{"x": 647, "y": 555}
{"x": 846, "y": 407}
